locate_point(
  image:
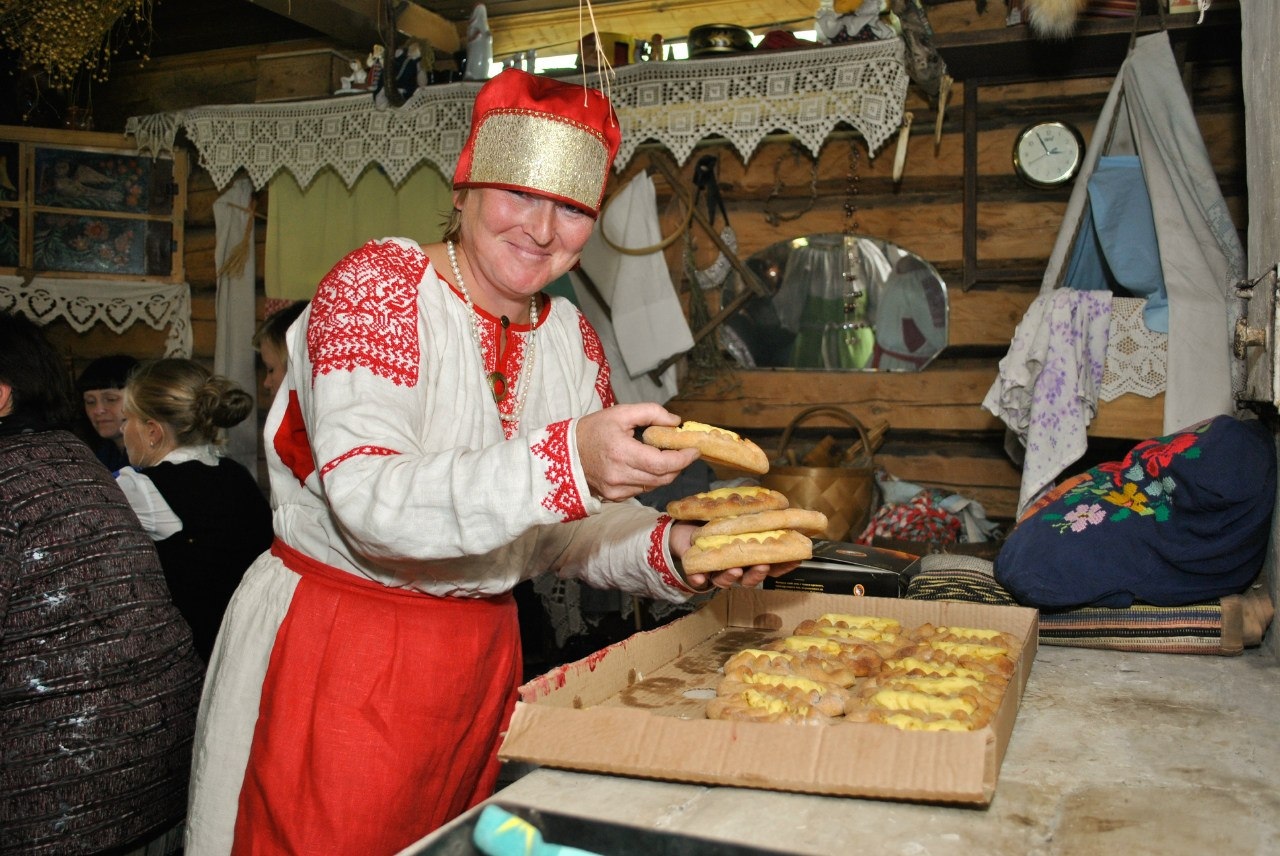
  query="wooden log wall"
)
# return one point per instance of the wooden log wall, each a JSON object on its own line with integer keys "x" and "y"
{"x": 938, "y": 433}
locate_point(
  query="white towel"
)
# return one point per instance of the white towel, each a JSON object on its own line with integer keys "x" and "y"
{"x": 648, "y": 320}
{"x": 626, "y": 389}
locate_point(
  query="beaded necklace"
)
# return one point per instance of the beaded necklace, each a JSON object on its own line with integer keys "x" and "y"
{"x": 498, "y": 380}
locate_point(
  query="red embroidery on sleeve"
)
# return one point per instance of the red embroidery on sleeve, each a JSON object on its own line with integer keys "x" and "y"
{"x": 658, "y": 555}
{"x": 357, "y": 451}
{"x": 595, "y": 352}
{"x": 564, "y": 498}
{"x": 365, "y": 314}
{"x": 291, "y": 442}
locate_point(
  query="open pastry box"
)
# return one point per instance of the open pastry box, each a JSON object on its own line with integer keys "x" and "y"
{"x": 637, "y": 708}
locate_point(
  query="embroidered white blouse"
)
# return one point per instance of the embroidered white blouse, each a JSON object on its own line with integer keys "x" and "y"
{"x": 388, "y": 459}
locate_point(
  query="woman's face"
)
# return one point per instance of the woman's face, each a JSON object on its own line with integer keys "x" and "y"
{"x": 104, "y": 408}
{"x": 518, "y": 243}
{"x": 275, "y": 364}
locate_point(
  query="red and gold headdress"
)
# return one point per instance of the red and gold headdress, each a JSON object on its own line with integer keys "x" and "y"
{"x": 541, "y": 135}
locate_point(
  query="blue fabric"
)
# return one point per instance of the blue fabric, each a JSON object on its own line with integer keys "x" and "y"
{"x": 1122, "y": 216}
{"x": 1117, "y": 247}
{"x": 1086, "y": 269}
{"x": 1179, "y": 520}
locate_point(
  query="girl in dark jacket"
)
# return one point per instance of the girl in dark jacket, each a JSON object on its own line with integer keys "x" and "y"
{"x": 206, "y": 513}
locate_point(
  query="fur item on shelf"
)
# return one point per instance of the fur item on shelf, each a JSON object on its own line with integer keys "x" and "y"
{"x": 1053, "y": 19}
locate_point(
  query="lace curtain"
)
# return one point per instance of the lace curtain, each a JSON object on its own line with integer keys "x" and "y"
{"x": 1136, "y": 356}
{"x": 119, "y": 305}
{"x": 805, "y": 93}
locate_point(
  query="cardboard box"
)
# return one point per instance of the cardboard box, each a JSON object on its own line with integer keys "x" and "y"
{"x": 637, "y": 709}
{"x": 840, "y": 567}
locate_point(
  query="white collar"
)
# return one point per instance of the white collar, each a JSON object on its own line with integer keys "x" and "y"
{"x": 205, "y": 453}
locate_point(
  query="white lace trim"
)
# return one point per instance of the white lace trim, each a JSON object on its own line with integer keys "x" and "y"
{"x": 805, "y": 93}
{"x": 119, "y": 305}
{"x": 1136, "y": 356}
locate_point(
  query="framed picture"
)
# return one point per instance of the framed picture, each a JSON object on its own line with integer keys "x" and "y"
{"x": 77, "y": 204}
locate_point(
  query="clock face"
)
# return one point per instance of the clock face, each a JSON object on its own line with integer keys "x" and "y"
{"x": 1048, "y": 154}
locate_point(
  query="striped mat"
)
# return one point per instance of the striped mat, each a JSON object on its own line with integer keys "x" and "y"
{"x": 1223, "y": 627}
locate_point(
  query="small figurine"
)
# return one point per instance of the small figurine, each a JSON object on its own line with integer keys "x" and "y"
{"x": 374, "y": 62}
{"x": 409, "y": 74}
{"x": 479, "y": 45}
{"x": 845, "y": 20}
{"x": 356, "y": 80}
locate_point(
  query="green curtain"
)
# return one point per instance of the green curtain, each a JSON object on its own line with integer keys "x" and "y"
{"x": 308, "y": 231}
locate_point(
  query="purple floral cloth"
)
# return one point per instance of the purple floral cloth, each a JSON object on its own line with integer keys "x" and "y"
{"x": 1047, "y": 388}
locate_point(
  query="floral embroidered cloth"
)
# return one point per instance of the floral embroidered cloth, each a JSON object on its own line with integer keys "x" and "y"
{"x": 1047, "y": 391}
{"x": 1180, "y": 519}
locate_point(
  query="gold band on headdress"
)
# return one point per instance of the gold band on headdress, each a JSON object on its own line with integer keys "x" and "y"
{"x": 551, "y": 155}
{"x": 542, "y": 135}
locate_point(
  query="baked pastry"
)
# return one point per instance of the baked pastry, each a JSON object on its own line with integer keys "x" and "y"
{"x": 801, "y": 520}
{"x": 925, "y": 678}
{"x": 726, "y": 502}
{"x": 758, "y": 660}
{"x": 717, "y": 552}
{"x": 715, "y": 445}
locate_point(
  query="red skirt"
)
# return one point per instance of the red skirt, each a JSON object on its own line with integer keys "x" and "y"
{"x": 381, "y": 715}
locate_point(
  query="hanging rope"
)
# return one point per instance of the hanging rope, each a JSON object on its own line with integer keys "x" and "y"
{"x": 773, "y": 218}
{"x": 643, "y": 251}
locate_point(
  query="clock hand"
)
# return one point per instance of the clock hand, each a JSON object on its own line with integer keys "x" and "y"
{"x": 1042, "y": 143}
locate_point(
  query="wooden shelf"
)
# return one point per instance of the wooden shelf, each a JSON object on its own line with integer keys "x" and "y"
{"x": 1097, "y": 48}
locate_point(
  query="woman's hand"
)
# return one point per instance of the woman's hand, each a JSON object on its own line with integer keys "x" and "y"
{"x": 617, "y": 465}
{"x": 682, "y": 538}
{"x": 746, "y": 577}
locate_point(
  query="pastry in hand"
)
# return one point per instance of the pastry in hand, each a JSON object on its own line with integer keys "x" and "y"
{"x": 715, "y": 445}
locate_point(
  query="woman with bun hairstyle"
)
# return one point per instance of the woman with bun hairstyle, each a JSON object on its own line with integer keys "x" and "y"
{"x": 206, "y": 513}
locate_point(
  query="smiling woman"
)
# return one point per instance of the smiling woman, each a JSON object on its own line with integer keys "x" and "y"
{"x": 101, "y": 388}
{"x": 445, "y": 431}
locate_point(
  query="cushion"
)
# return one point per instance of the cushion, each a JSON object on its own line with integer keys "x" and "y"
{"x": 1181, "y": 519}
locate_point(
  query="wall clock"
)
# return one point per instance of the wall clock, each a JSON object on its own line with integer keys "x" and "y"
{"x": 1048, "y": 154}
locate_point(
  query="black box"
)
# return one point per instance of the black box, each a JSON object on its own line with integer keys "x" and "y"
{"x": 840, "y": 567}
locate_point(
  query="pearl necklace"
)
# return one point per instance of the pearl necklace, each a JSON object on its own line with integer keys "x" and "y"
{"x": 497, "y": 380}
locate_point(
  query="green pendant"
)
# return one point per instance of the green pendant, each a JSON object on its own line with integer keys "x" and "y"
{"x": 498, "y": 381}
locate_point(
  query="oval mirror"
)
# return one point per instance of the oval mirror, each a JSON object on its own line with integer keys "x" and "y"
{"x": 840, "y": 303}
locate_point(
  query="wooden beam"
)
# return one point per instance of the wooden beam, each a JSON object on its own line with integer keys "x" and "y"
{"x": 1129, "y": 417}
{"x": 349, "y": 22}
{"x": 640, "y": 19}
{"x": 944, "y": 397}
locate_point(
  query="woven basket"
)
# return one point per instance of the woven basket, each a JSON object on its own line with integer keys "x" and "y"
{"x": 845, "y": 493}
